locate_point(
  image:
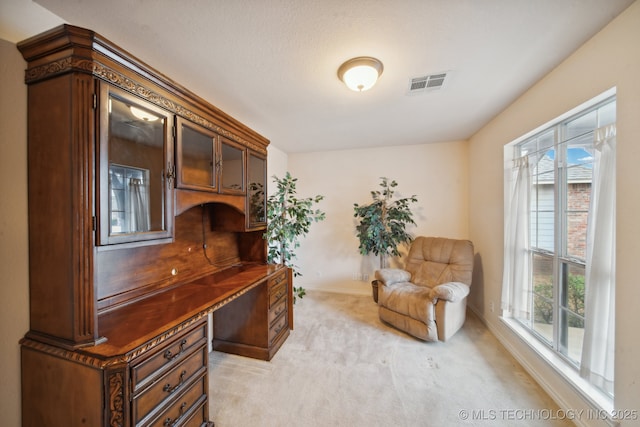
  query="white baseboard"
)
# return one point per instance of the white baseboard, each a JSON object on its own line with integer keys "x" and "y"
{"x": 355, "y": 288}
{"x": 563, "y": 392}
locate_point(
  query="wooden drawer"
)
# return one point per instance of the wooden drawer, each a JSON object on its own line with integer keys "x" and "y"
{"x": 277, "y": 310}
{"x": 277, "y": 327}
{"x": 277, "y": 288}
{"x": 167, "y": 356}
{"x": 169, "y": 385}
{"x": 184, "y": 407}
{"x": 199, "y": 418}
{"x": 277, "y": 279}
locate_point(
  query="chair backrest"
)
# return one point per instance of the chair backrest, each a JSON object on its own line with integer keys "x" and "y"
{"x": 436, "y": 260}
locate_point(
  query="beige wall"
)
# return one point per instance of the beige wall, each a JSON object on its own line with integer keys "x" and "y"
{"x": 14, "y": 285}
{"x": 459, "y": 186}
{"x": 436, "y": 173}
{"x": 276, "y": 165}
{"x": 611, "y": 58}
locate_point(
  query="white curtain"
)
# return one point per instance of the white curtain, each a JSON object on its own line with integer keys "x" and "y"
{"x": 139, "y": 215}
{"x": 515, "y": 287}
{"x": 599, "y": 334}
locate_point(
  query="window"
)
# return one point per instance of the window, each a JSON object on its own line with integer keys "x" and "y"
{"x": 129, "y": 188}
{"x": 549, "y": 221}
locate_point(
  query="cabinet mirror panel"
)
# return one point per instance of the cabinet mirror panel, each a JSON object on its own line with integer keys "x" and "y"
{"x": 196, "y": 157}
{"x": 134, "y": 158}
{"x": 257, "y": 177}
{"x": 232, "y": 173}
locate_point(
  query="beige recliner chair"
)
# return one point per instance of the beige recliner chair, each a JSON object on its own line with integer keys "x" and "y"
{"x": 429, "y": 298}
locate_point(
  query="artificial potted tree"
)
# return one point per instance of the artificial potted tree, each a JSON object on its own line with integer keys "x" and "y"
{"x": 382, "y": 225}
{"x": 289, "y": 219}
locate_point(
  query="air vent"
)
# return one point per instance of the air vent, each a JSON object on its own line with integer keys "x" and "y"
{"x": 427, "y": 83}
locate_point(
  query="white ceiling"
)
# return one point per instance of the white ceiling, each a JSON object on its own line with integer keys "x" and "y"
{"x": 272, "y": 64}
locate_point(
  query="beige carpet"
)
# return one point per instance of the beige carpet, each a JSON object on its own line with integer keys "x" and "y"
{"x": 341, "y": 366}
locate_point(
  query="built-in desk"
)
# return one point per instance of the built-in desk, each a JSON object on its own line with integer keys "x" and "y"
{"x": 152, "y": 368}
{"x": 135, "y": 324}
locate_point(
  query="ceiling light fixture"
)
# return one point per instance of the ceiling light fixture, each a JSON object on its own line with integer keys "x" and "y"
{"x": 142, "y": 114}
{"x": 360, "y": 73}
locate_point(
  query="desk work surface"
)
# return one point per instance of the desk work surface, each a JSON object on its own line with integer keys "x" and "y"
{"x": 130, "y": 326}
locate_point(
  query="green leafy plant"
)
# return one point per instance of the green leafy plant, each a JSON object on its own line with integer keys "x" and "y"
{"x": 288, "y": 220}
{"x": 256, "y": 201}
{"x": 543, "y": 295}
{"x": 381, "y": 227}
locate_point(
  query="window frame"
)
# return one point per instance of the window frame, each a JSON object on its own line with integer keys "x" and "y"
{"x": 562, "y": 363}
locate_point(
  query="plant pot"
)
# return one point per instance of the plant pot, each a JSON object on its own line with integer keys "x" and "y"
{"x": 374, "y": 290}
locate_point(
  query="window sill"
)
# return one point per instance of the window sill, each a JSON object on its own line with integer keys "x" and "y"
{"x": 599, "y": 402}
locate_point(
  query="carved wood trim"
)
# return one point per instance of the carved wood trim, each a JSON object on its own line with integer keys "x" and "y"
{"x": 62, "y": 353}
{"x": 48, "y": 70}
{"x": 115, "y": 388}
{"x": 108, "y": 74}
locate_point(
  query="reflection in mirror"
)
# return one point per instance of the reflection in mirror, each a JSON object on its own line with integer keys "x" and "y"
{"x": 257, "y": 188}
{"x": 136, "y": 169}
{"x": 129, "y": 191}
{"x": 197, "y": 158}
{"x": 232, "y": 167}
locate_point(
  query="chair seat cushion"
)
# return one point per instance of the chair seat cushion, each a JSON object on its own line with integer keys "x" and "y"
{"x": 408, "y": 299}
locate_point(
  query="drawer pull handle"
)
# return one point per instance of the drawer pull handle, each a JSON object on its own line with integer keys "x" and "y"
{"x": 277, "y": 281}
{"x": 281, "y": 327}
{"x": 169, "y": 422}
{"x": 280, "y": 310}
{"x": 279, "y": 295}
{"x": 170, "y": 389}
{"x": 170, "y": 356}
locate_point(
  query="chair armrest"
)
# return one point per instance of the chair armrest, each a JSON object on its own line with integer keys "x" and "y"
{"x": 451, "y": 291}
{"x": 389, "y": 276}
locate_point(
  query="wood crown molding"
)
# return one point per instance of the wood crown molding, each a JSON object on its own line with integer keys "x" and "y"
{"x": 68, "y": 49}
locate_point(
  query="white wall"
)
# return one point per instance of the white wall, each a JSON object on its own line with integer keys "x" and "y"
{"x": 609, "y": 59}
{"x": 276, "y": 166}
{"x": 436, "y": 173}
{"x": 14, "y": 284}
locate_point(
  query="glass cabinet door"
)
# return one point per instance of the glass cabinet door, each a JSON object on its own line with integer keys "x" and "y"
{"x": 231, "y": 167}
{"x": 257, "y": 190}
{"x": 134, "y": 169}
{"x": 196, "y": 157}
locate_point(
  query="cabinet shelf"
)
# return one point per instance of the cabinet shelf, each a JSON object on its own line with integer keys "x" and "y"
{"x": 186, "y": 199}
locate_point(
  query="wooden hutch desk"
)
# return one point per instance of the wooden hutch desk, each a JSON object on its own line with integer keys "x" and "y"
{"x": 146, "y": 214}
